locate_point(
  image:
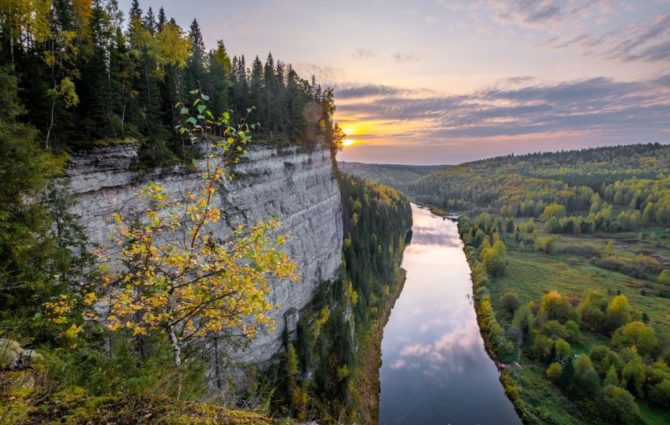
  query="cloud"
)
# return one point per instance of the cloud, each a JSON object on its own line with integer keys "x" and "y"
{"x": 324, "y": 74}
{"x": 527, "y": 107}
{"x": 647, "y": 41}
{"x": 368, "y": 90}
{"x": 406, "y": 58}
{"x": 541, "y": 12}
{"x": 363, "y": 54}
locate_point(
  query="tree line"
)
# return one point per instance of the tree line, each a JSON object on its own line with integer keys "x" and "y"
{"x": 595, "y": 190}
{"x": 86, "y": 74}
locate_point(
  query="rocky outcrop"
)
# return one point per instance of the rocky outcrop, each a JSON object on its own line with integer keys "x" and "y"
{"x": 297, "y": 188}
{"x": 14, "y": 357}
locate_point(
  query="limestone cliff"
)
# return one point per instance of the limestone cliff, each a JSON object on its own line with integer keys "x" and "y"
{"x": 297, "y": 188}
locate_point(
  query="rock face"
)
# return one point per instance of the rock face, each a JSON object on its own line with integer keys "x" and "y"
{"x": 297, "y": 188}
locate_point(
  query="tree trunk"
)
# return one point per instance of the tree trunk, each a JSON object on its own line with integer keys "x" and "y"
{"x": 123, "y": 118}
{"x": 217, "y": 367}
{"x": 176, "y": 347}
{"x": 51, "y": 123}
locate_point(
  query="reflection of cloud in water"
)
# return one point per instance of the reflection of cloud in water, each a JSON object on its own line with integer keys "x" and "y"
{"x": 431, "y": 324}
{"x": 434, "y": 235}
{"x": 415, "y": 350}
{"x": 458, "y": 349}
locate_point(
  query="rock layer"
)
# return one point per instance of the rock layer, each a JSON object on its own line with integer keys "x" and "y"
{"x": 297, "y": 188}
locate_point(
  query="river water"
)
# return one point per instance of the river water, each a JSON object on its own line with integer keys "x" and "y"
{"x": 435, "y": 369}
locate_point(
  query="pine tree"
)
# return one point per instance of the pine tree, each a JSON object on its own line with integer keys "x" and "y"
{"x": 195, "y": 68}
{"x": 162, "y": 20}
{"x": 149, "y": 22}
{"x": 257, "y": 92}
{"x": 220, "y": 69}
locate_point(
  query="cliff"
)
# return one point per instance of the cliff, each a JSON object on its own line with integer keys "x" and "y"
{"x": 297, "y": 188}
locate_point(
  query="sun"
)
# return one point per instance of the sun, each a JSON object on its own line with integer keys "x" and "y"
{"x": 348, "y": 142}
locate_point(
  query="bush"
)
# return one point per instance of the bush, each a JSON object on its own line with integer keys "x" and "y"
{"x": 586, "y": 382}
{"x": 641, "y": 267}
{"x": 555, "y": 306}
{"x": 638, "y": 335}
{"x": 660, "y": 393}
{"x": 545, "y": 244}
{"x": 510, "y": 302}
{"x": 619, "y": 312}
{"x": 664, "y": 277}
{"x": 556, "y": 211}
{"x": 554, "y": 372}
{"x": 493, "y": 258}
{"x": 619, "y": 405}
{"x": 603, "y": 359}
{"x": 592, "y": 308}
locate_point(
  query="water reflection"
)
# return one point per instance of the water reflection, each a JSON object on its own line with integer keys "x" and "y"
{"x": 435, "y": 369}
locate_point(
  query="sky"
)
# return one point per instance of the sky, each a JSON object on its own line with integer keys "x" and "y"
{"x": 443, "y": 82}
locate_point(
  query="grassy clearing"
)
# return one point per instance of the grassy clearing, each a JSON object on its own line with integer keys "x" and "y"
{"x": 531, "y": 274}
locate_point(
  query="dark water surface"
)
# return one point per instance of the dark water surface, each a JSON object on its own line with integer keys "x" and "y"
{"x": 435, "y": 369}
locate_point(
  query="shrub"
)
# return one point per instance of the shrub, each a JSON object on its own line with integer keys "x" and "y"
{"x": 619, "y": 312}
{"x": 638, "y": 335}
{"x": 554, "y": 372}
{"x": 586, "y": 382}
{"x": 555, "y": 306}
{"x": 660, "y": 393}
{"x": 510, "y": 302}
{"x": 556, "y": 211}
{"x": 619, "y": 405}
{"x": 545, "y": 244}
{"x": 664, "y": 277}
{"x": 603, "y": 359}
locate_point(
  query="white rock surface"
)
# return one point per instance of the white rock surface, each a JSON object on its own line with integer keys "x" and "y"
{"x": 297, "y": 188}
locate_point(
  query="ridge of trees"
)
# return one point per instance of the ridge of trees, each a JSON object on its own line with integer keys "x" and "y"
{"x": 86, "y": 74}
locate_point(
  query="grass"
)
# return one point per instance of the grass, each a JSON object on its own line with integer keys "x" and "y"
{"x": 531, "y": 274}
{"x": 654, "y": 416}
{"x": 541, "y": 402}
{"x": 23, "y": 402}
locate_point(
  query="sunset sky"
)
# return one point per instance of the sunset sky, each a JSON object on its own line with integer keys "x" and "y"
{"x": 438, "y": 81}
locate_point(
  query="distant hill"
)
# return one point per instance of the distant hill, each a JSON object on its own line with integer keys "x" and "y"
{"x": 395, "y": 175}
{"x": 520, "y": 180}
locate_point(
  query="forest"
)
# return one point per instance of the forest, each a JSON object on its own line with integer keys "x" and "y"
{"x": 86, "y": 75}
{"x": 570, "y": 261}
{"x": 331, "y": 339}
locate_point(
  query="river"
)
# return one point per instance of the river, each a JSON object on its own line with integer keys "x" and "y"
{"x": 435, "y": 369}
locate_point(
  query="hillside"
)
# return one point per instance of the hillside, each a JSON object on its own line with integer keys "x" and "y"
{"x": 570, "y": 253}
{"x": 394, "y": 175}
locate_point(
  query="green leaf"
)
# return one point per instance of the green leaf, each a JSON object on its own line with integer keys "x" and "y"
{"x": 183, "y": 111}
{"x": 191, "y": 121}
{"x": 205, "y": 97}
{"x": 201, "y": 108}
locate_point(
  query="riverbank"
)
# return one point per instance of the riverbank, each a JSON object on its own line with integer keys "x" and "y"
{"x": 485, "y": 316}
{"x": 370, "y": 359}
